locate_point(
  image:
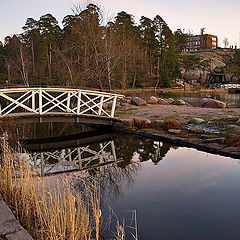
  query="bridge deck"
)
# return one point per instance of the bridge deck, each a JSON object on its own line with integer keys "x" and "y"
{"x": 61, "y": 117}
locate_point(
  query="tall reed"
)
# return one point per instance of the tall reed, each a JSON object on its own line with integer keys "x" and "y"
{"x": 57, "y": 213}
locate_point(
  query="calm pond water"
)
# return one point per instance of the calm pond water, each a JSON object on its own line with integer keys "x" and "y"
{"x": 178, "y": 193}
{"x": 231, "y": 99}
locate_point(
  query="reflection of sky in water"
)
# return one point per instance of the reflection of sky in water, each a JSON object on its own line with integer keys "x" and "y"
{"x": 179, "y": 193}
{"x": 187, "y": 195}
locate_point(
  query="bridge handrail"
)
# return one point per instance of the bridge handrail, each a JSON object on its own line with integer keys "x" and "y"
{"x": 12, "y": 90}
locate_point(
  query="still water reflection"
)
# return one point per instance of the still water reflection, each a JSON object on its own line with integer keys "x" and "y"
{"x": 178, "y": 193}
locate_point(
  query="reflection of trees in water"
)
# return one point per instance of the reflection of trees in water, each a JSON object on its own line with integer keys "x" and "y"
{"x": 132, "y": 150}
{"x": 147, "y": 149}
{"x": 110, "y": 178}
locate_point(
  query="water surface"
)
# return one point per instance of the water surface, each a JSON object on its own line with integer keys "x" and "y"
{"x": 178, "y": 193}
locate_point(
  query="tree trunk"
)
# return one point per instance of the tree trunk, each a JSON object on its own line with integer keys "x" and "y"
{"x": 33, "y": 56}
{"x": 8, "y": 72}
{"x": 158, "y": 72}
{"x": 124, "y": 73}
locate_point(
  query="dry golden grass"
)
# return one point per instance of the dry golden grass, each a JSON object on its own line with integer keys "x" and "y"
{"x": 170, "y": 124}
{"x": 233, "y": 140}
{"x": 57, "y": 213}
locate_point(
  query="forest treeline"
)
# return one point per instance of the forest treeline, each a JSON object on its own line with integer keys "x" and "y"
{"x": 89, "y": 51}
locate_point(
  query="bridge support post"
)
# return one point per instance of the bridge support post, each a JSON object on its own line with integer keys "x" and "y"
{"x": 113, "y": 106}
{"x": 33, "y": 101}
{"x": 78, "y": 103}
{"x": 100, "y": 106}
{"x": 40, "y": 102}
{"x": 68, "y": 101}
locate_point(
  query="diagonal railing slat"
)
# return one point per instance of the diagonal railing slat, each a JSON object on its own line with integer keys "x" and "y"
{"x": 43, "y": 101}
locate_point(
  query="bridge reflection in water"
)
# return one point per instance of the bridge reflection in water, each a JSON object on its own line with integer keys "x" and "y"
{"x": 71, "y": 159}
{"x": 65, "y": 147}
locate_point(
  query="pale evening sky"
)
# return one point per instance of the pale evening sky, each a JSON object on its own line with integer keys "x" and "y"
{"x": 219, "y": 17}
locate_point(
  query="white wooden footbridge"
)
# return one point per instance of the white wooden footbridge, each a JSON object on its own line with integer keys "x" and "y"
{"x": 56, "y": 103}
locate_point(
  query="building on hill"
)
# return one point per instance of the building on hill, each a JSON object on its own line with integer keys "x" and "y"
{"x": 204, "y": 41}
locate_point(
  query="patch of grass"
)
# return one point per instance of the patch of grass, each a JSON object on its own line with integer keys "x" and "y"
{"x": 235, "y": 68}
{"x": 119, "y": 113}
{"x": 152, "y": 130}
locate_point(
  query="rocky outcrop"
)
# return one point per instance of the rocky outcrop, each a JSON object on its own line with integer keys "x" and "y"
{"x": 197, "y": 74}
{"x": 212, "y": 103}
{"x": 196, "y": 66}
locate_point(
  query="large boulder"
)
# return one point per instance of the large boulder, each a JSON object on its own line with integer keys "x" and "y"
{"x": 212, "y": 103}
{"x": 162, "y": 101}
{"x": 153, "y": 100}
{"x": 138, "y": 101}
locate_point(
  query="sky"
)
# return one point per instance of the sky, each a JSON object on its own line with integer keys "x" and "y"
{"x": 219, "y": 17}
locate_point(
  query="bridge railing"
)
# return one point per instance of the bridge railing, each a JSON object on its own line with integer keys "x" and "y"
{"x": 79, "y": 158}
{"x": 43, "y": 101}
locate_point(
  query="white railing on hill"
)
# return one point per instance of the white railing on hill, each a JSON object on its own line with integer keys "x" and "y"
{"x": 43, "y": 101}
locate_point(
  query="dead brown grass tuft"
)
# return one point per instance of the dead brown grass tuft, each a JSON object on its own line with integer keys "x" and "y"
{"x": 170, "y": 124}
{"x": 233, "y": 140}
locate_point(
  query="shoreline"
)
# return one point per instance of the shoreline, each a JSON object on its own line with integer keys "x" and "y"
{"x": 169, "y": 90}
{"x": 196, "y": 143}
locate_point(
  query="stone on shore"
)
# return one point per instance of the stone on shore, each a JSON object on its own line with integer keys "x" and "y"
{"x": 179, "y": 102}
{"x": 233, "y": 128}
{"x": 174, "y": 131}
{"x": 170, "y": 100}
{"x": 138, "y": 101}
{"x": 196, "y": 121}
{"x": 162, "y": 101}
{"x": 152, "y": 100}
{"x": 212, "y": 103}
{"x": 238, "y": 122}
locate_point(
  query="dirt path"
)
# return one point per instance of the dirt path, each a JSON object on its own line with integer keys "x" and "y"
{"x": 181, "y": 113}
